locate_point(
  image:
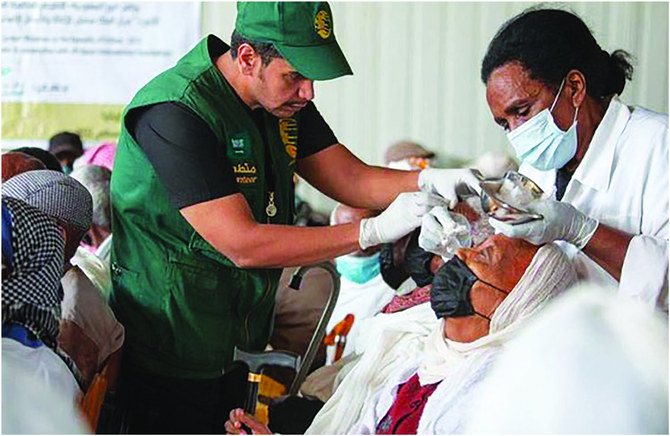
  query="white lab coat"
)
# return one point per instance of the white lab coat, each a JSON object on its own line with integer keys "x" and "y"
{"x": 623, "y": 182}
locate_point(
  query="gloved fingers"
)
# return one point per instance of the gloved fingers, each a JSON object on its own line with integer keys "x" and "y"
{"x": 431, "y": 232}
{"x": 423, "y": 202}
{"x": 471, "y": 178}
{"x": 509, "y": 230}
{"x": 443, "y": 216}
{"x": 531, "y": 231}
{"x": 430, "y": 200}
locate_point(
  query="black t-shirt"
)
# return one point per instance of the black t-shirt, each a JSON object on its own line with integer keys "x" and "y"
{"x": 189, "y": 160}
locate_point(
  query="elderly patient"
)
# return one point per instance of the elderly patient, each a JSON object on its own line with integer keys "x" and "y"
{"x": 419, "y": 369}
{"x": 481, "y": 297}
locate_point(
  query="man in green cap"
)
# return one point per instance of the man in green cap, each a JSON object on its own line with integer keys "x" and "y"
{"x": 202, "y": 199}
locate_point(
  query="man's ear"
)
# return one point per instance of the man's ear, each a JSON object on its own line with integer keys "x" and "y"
{"x": 247, "y": 59}
{"x": 576, "y": 84}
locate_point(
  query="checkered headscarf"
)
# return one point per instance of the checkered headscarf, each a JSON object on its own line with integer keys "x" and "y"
{"x": 55, "y": 194}
{"x": 31, "y": 290}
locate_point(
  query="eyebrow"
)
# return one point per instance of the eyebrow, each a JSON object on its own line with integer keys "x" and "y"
{"x": 296, "y": 75}
{"x": 511, "y": 109}
{"x": 515, "y": 105}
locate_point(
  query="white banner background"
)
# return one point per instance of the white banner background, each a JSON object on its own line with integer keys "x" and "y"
{"x": 91, "y": 52}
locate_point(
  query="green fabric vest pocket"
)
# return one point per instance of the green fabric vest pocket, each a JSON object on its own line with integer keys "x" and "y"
{"x": 199, "y": 307}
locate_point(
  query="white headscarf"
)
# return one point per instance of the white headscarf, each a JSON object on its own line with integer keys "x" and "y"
{"x": 548, "y": 274}
{"x": 415, "y": 335}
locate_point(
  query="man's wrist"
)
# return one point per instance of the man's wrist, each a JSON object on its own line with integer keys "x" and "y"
{"x": 367, "y": 233}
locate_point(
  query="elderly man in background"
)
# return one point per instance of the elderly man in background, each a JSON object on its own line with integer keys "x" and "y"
{"x": 89, "y": 331}
{"x": 96, "y": 180}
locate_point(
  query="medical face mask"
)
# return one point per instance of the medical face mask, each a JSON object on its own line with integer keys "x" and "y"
{"x": 417, "y": 261}
{"x": 541, "y": 143}
{"x": 358, "y": 269}
{"x": 393, "y": 275}
{"x": 450, "y": 295}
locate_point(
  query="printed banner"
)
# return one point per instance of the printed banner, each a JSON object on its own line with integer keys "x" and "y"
{"x": 75, "y": 65}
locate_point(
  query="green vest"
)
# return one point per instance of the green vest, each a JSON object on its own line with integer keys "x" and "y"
{"x": 183, "y": 304}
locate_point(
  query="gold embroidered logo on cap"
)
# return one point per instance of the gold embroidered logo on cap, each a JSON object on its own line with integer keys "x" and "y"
{"x": 322, "y": 24}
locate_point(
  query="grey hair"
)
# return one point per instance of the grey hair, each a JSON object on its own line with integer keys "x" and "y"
{"x": 96, "y": 179}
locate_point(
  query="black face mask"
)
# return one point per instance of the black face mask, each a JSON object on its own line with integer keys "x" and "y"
{"x": 393, "y": 275}
{"x": 450, "y": 295}
{"x": 417, "y": 261}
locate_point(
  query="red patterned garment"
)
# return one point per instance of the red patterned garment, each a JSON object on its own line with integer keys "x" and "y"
{"x": 416, "y": 297}
{"x": 403, "y": 416}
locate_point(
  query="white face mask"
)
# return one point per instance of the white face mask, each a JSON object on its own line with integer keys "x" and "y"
{"x": 541, "y": 143}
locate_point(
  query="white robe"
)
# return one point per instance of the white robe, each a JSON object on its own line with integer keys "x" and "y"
{"x": 412, "y": 341}
{"x": 363, "y": 300}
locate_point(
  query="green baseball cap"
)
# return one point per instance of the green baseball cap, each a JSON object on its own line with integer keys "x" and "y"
{"x": 302, "y": 32}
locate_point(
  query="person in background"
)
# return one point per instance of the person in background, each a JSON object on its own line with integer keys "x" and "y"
{"x": 363, "y": 291}
{"x": 102, "y": 155}
{"x": 202, "y": 200}
{"x": 89, "y": 331}
{"x": 67, "y": 148}
{"x": 593, "y": 362}
{"x": 48, "y": 159}
{"x": 31, "y": 299}
{"x": 15, "y": 162}
{"x": 96, "y": 180}
{"x": 603, "y": 164}
{"x": 408, "y": 155}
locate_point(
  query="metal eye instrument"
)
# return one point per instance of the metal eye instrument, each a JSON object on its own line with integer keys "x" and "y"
{"x": 504, "y": 198}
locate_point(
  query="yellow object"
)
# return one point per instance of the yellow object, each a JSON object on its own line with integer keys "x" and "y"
{"x": 268, "y": 388}
{"x": 41, "y": 120}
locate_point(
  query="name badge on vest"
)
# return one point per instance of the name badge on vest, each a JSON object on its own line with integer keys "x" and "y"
{"x": 240, "y": 146}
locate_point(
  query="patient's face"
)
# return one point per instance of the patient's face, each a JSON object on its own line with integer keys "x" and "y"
{"x": 499, "y": 263}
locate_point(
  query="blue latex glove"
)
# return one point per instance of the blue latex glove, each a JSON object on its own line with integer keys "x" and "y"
{"x": 562, "y": 221}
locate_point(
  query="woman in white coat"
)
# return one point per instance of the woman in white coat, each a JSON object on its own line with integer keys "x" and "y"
{"x": 604, "y": 164}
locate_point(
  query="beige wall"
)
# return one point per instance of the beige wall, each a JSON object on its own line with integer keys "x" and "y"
{"x": 416, "y": 70}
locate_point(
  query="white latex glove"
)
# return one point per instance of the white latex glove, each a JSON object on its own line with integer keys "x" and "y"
{"x": 562, "y": 221}
{"x": 444, "y": 182}
{"x": 441, "y": 234}
{"x": 401, "y": 217}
